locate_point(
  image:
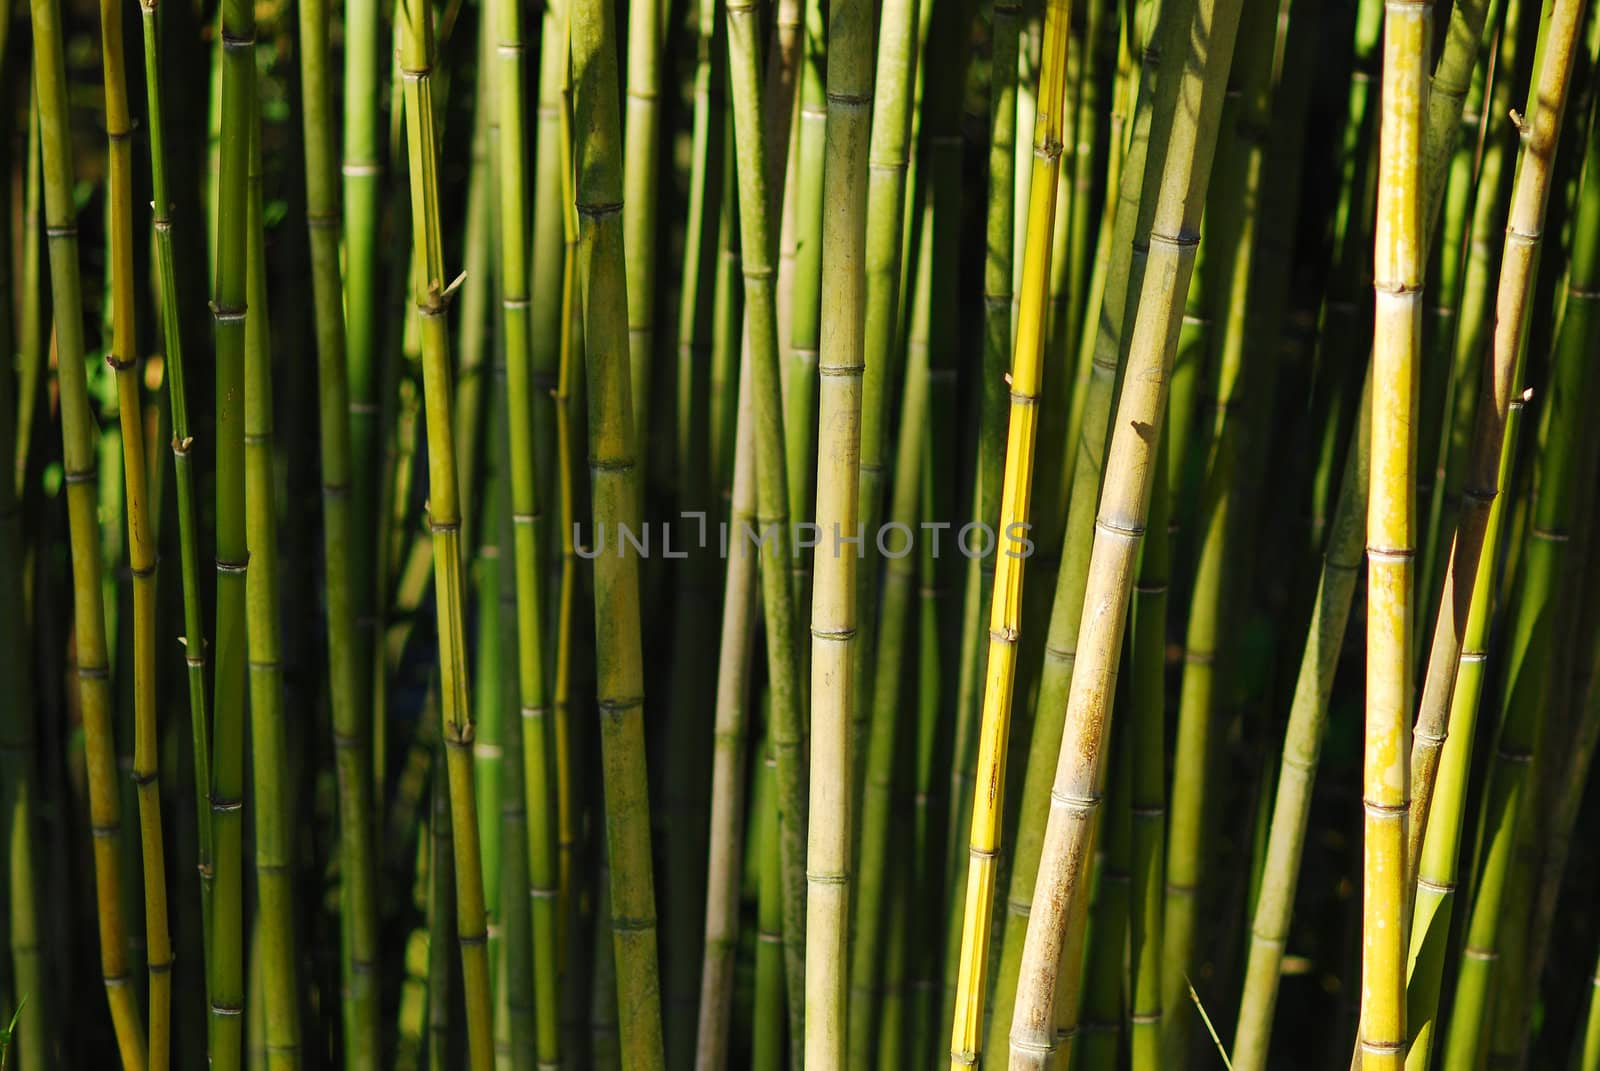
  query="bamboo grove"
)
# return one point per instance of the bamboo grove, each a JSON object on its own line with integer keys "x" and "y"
{"x": 813, "y": 534}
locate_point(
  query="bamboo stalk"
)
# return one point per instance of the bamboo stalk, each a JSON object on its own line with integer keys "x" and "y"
{"x": 444, "y": 523}
{"x": 640, "y": 181}
{"x": 801, "y": 384}
{"x": 834, "y": 614}
{"x": 727, "y": 788}
{"x": 756, "y": 207}
{"x": 193, "y": 638}
{"x": 615, "y": 489}
{"x": 1540, "y": 131}
{"x": 79, "y": 464}
{"x": 1147, "y": 694}
{"x": 229, "y": 312}
{"x": 874, "y": 874}
{"x": 529, "y": 561}
{"x": 1391, "y": 536}
{"x": 341, "y": 511}
{"x": 1106, "y": 342}
{"x": 20, "y": 780}
{"x": 1005, "y": 613}
{"x": 275, "y": 950}
{"x": 123, "y": 358}
{"x": 888, "y": 160}
{"x": 1224, "y": 510}
{"x": 1184, "y": 140}
{"x": 361, "y": 176}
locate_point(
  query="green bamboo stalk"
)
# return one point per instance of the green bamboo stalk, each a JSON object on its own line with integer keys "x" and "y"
{"x": 229, "y": 313}
{"x": 1508, "y": 781}
{"x": 529, "y": 562}
{"x": 770, "y": 1016}
{"x": 123, "y": 358}
{"x": 888, "y": 159}
{"x": 19, "y": 776}
{"x": 801, "y": 382}
{"x": 444, "y": 522}
{"x": 1184, "y": 141}
{"x": 938, "y": 636}
{"x": 1590, "y": 1053}
{"x": 342, "y": 508}
{"x": 1437, "y": 870}
{"x": 615, "y": 489}
{"x": 79, "y": 464}
{"x": 1147, "y": 694}
{"x": 1491, "y": 200}
{"x": 640, "y": 180}
{"x": 510, "y": 927}
{"x": 547, "y": 264}
{"x": 269, "y": 749}
{"x": 193, "y": 638}
{"x": 361, "y": 175}
{"x": 440, "y": 897}
{"x": 834, "y": 613}
{"x": 1232, "y": 217}
{"x": 1539, "y": 132}
{"x": 762, "y": 367}
{"x": 727, "y": 812}
{"x": 31, "y": 341}
{"x": 874, "y": 874}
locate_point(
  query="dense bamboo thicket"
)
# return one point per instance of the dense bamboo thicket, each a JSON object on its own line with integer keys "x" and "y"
{"x": 807, "y": 534}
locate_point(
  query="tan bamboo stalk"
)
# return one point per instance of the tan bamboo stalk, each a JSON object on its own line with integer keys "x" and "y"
{"x": 1524, "y": 232}
{"x": 727, "y": 772}
{"x": 77, "y": 440}
{"x": 833, "y": 601}
{"x": 1398, "y": 262}
{"x": 1005, "y": 616}
{"x": 124, "y": 361}
{"x": 1184, "y": 138}
{"x": 614, "y": 485}
{"x": 640, "y": 179}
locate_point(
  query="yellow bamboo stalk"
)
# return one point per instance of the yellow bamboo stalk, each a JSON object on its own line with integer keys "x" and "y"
{"x": 1391, "y": 530}
{"x": 1005, "y": 614}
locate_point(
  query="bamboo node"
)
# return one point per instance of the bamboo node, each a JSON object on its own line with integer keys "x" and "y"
{"x": 630, "y": 924}
{"x": 1516, "y": 236}
{"x": 119, "y": 364}
{"x": 1481, "y": 954}
{"x": 224, "y": 805}
{"x": 143, "y": 780}
{"x": 359, "y": 169}
{"x": 322, "y": 221}
{"x": 815, "y": 877}
{"x": 234, "y": 41}
{"x": 620, "y": 704}
{"x": 1381, "y": 811}
{"x": 849, "y": 99}
{"x": 473, "y": 940}
{"x": 226, "y": 1010}
{"x": 1398, "y": 555}
{"x": 227, "y": 314}
{"x": 162, "y": 968}
{"x": 1443, "y": 888}
{"x": 68, "y": 230}
{"x": 1120, "y": 531}
{"x": 233, "y": 568}
{"x": 94, "y": 673}
{"x": 1083, "y": 806}
{"x": 1515, "y": 756}
{"x": 1384, "y": 1046}
{"x": 81, "y": 475}
{"x": 105, "y": 832}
